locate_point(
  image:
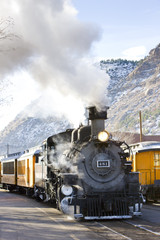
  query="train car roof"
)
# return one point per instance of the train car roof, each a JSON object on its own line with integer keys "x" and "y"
{"x": 12, "y": 156}
{"x": 31, "y": 151}
{"x": 34, "y": 151}
{"x": 145, "y": 146}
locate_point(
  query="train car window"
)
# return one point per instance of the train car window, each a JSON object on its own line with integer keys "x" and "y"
{"x": 8, "y": 168}
{"x": 156, "y": 159}
{"x": 37, "y": 159}
{"x": 21, "y": 167}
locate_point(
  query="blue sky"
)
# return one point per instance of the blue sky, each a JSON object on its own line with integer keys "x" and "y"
{"x": 130, "y": 29}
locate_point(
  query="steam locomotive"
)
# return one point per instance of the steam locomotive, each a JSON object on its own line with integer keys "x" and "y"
{"x": 83, "y": 171}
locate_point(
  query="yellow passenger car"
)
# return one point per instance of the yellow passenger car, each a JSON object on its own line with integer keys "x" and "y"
{"x": 9, "y": 170}
{"x": 146, "y": 161}
{"x": 22, "y": 170}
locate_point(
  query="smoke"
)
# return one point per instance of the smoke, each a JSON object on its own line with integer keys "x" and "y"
{"x": 58, "y": 156}
{"x": 50, "y": 43}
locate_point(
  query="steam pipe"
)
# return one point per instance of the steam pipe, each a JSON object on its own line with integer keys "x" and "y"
{"x": 97, "y": 120}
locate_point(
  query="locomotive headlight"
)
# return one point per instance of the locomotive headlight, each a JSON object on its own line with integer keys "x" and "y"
{"x": 103, "y": 136}
{"x": 66, "y": 190}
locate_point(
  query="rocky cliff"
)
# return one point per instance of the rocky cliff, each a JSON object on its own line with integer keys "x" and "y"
{"x": 139, "y": 91}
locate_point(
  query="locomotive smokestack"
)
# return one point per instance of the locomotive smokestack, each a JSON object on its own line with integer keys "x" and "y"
{"x": 97, "y": 120}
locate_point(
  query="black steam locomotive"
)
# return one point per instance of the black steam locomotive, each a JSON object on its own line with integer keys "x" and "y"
{"x": 83, "y": 171}
{"x": 87, "y": 173}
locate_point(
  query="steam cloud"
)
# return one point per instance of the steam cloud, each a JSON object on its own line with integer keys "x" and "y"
{"x": 52, "y": 44}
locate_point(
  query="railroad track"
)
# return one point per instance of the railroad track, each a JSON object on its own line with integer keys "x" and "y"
{"x": 122, "y": 230}
{"x": 146, "y": 227}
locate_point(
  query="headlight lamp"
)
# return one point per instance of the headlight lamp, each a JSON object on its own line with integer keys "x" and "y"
{"x": 103, "y": 136}
{"x": 66, "y": 190}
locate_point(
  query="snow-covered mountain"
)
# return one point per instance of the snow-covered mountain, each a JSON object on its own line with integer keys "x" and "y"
{"x": 138, "y": 91}
{"x": 134, "y": 86}
{"x": 118, "y": 70}
{"x": 25, "y": 132}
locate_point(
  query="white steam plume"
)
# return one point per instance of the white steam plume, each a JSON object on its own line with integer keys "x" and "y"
{"x": 52, "y": 44}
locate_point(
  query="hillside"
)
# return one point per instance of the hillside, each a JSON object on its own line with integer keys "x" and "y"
{"x": 25, "y": 132}
{"x": 118, "y": 70}
{"x": 139, "y": 91}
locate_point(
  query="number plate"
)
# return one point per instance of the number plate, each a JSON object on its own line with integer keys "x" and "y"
{"x": 103, "y": 163}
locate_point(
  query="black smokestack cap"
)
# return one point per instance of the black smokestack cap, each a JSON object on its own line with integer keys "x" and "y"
{"x": 95, "y": 114}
